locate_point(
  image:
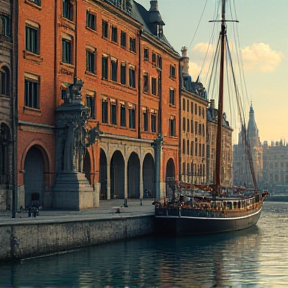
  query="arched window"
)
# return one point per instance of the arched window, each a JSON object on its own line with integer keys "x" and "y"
{"x": 4, "y": 81}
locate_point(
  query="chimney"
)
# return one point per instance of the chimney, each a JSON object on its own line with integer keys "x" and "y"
{"x": 153, "y": 5}
{"x": 185, "y": 61}
{"x": 212, "y": 103}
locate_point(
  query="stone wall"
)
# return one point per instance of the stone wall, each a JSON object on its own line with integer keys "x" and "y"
{"x": 21, "y": 241}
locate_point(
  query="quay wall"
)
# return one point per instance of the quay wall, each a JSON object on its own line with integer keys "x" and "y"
{"x": 26, "y": 240}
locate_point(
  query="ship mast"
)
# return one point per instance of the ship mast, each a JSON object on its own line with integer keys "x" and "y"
{"x": 220, "y": 104}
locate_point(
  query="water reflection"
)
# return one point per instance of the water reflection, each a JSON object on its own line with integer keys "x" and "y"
{"x": 250, "y": 257}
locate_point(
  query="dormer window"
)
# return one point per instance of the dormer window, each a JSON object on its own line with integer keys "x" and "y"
{"x": 159, "y": 30}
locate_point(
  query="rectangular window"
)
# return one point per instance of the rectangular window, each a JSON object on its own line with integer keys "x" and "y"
{"x": 145, "y": 120}
{"x": 4, "y": 82}
{"x": 154, "y": 86}
{"x": 192, "y": 127}
{"x": 145, "y": 83}
{"x": 104, "y": 29}
{"x": 172, "y": 96}
{"x": 90, "y": 102}
{"x": 132, "y": 44}
{"x": 66, "y": 51}
{"x": 114, "y": 69}
{"x": 184, "y": 124}
{"x": 123, "y": 39}
{"x": 183, "y": 148}
{"x": 153, "y": 123}
{"x": 132, "y": 118}
{"x": 172, "y": 71}
{"x": 183, "y": 104}
{"x": 67, "y": 9}
{"x": 6, "y": 26}
{"x": 146, "y": 54}
{"x": 90, "y": 61}
{"x": 105, "y": 67}
{"x": 123, "y": 116}
{"x": 132, "y": 77}
{"x": 90, "y": 20}
{"x": 113, "y": 115}
{"x": 159, "y": 61}
{"x": 172, "y": 127}
{"x": 123, "y": 73}
{"x": 192, "y": 148}
{"x": 114, "y": 34}
{"x": 104, "y": 111}
{"x": 32, "y": 39}
{"x": 31, "y": 93}
{"x": 154, "y": 58}
{"x": 37, "y": 2}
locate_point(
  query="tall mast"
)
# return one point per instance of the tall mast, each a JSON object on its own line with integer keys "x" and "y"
{"x": 220, "y": 104}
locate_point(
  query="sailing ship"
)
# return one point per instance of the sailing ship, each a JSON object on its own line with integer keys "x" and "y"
{"x": 198, "y": 209}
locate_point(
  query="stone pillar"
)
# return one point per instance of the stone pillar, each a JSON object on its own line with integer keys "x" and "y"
{"x": 108, "y": 182}
{"x": 125, "y": 185}
{"x": 141, "y": 182}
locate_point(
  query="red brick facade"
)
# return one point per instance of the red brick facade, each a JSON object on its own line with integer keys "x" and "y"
{"x": 131, "y": 84}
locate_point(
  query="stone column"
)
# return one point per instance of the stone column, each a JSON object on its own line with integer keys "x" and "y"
{"x": 125, "y": 185}
{"x": 108, "y": 182}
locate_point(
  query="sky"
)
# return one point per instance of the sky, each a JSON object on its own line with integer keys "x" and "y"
{"x": 262, "y": 34}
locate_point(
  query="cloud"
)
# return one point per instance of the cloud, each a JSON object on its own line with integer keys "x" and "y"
{"x": 260, "y": 57}
{"x": 198, "y": 52}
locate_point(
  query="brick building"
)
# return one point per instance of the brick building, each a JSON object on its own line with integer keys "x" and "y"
{"x": 131, "y": 87}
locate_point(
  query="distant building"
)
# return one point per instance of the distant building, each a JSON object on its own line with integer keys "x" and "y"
{"x": 226, "y": 168}
{"x": 275, "y": 166}
{"x": 241, "y": 167}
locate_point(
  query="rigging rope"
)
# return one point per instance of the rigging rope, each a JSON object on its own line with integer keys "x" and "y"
{"x": 198, "y": 23}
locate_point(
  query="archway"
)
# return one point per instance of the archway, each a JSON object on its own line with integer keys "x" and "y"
{"x": 103, "y": 175}
{"x": 133, "y": 176}
{"x": 117, "y": 167}
{"x": 34, "y": 176}
{"x": 170, "y": 176}
{"x": 149, "y": 177}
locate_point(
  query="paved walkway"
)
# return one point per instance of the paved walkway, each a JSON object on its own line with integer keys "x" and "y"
{"x": 105, "y": 211}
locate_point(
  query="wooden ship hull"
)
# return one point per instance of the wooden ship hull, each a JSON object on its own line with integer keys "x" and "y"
{"x": 181, "y": 221}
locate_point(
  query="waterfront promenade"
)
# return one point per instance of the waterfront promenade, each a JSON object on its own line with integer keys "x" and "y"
{"x": 54, "y": 231}
{"x": 105, "y": 211}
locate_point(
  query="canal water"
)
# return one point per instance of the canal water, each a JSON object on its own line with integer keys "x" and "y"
{"x": 256, "y": 257}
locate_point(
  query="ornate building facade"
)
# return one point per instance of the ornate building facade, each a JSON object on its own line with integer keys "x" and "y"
{"x": 6, "y": 104}
{"x": 241, "y": 169}
{"x": 275, "y": 167}
{"x": 116, "y": 56}
{"x": 193, "y": 127}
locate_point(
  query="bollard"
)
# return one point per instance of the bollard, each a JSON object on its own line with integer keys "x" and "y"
{"x": 141, "y": 201}
{"x": 125, "y": 204}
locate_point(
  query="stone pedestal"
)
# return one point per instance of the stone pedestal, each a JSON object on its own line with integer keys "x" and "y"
{"x": 72, "y": 191}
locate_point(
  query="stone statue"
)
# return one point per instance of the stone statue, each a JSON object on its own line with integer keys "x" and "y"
{"x": 74, "y": 92}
